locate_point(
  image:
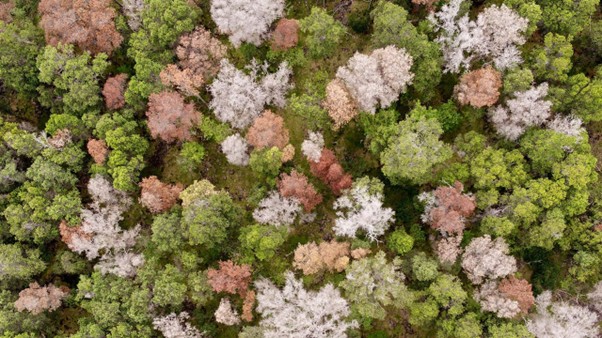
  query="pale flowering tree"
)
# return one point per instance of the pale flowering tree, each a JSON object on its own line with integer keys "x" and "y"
{"x": 294, "y": 312}
{"x": 277, "y": 210}
{"x": 312, "y": 146}
{"x": 448, "y": 249}
{"x": 485, "y": 258}
{"x": 246, "y": 20}
{"x": 492, "y": 300}
{"x": 339, "y": 103}
{"x": 176, "y": 326}
{"x": 377, "y": 79}
{"x": 568, "y": 125}
{"x": 225, "y": 314}
{"x": 238, "y": 98}
{"x": 132, "y": 9}
{"x": 236, "y": 148}
{"x": 494, "y": 36}
{"x": 595, "y": 297}
{"x": 562, "y": 319}
{"x": 36, "y": 299}
{"x": 526, "y": 109}
{"x": 361, "y": 208}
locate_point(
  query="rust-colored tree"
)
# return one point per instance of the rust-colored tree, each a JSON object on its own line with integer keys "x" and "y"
{"x": 312, "y": 258}
{"x": 86, "y": 23}
{"x": 449, "y": 209}
{"x": 286, "y": 34}
{"x": 429, "y": 4}
{"x": 113, "y": 91}
{"x": 169, "y": 117}
{"x": 296, "y": 185}
{"x": 268, "y": 131}
{"x": 98, "y": 150}
{"x": 37, "y": 299}
{"x": 230, "y": 278}
{"x": 5, "y": 9}
{"x": 69, "y": 233}
{"x": 518, "y": 290}
{"x": 247, "y": 306}
{"x": 329, "y": 171}
{"x": 158, "y": 196}
{"x": 479, "y": 88}
{"x": 340, "y": 105}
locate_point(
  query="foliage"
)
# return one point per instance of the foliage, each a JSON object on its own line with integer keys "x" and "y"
{"x": 321, "y": 32}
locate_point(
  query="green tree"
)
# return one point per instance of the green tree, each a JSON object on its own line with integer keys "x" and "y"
{"x": 167, "y": 232}
{"x": 378, "y": 128}
{"x": 447, "y": 114}
{"x": 552, "y": 61}
{"x": 191, "y": 155}
{"x": 424, "y": 268}
{"x": 528, "y": 9}
{"x": 510, "y": 330}
{"x": 414, "y": 150}
{"x": 567, "y": 17}
{"x": 518, "y": 80}
{"x": 400, "y": 242}
{"x": 322, "y": 33}
{"x": 19, "y": 263}
{"x": 170, "y": 287}
{"x": 266, "y": 165}
{"x": 260, "y": 241}
{"x": 580, "y": 96}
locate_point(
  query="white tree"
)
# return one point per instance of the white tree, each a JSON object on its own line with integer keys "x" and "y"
{"x": 568, "y": 125}
{"x": 361, "y": 207}
{"x": 312, "y": 146}
{"x": 239, "y": 98}
{"x": 277, "y": 210}
{"x": 235, "y": 147}
{"x": 494, "y": 36}
{"x": 297, "y": 313}
{"x": 492, "y": 300}
{"x": 100, "y": 234}
{"x": 487, "y": 259}
{"x": 595, "y": 297}
{"x": 246, "y": 20}
{"x": 132, "y": 9}
{"x": 225, "y": 314}
{"x": 526, "y": 109}
{"x": 561, "y": 319}
{"x": 377, "y": 79}
{"x": 176, "y": 326}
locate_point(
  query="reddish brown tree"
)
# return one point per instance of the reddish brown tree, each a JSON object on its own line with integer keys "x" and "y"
{"x": 68, "y": 233}
{"x": 428, "y": 3}
{"x": 450, "y": 208}
{"x": 329, "y": 171}
{"x": 479, "y": 88}
{"x": 296, "y": 185}
{"x": 113, "y": 91}
{"x": 98, "y": 150}
{"x": 5, "y": 9}
{"x": 247, "y": 306}
{"x": 268, "y": 131}
{"x": 86, "y": 23}
{"x": 37, "y": 299}
{"x": 230, "y": 278}
{"x": 158, "y": 196}
{"x": 518, "y": 290}
{"x": 286, "y": 34}
{"x": 169, "y": 117}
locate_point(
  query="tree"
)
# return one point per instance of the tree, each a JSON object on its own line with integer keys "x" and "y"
{"x": 87, "y": 24}
{"x": 484, "y": 259}
{"x": 230, "y": 278}
{"x": 239, "y": 98}
{"x": 235, "y": 147}
{"x": 266, "y": 164}
{"x": 447, "y": 208}
{"x": 339, "y": 104}
{"x": 312, "y": 146}
{"x": 386, "y": 286}
{"x": 479, "y": 88}
{"x": 518, "y": 290}
{"x": 329, "y": 171}
{"x": 377, "y": 79}
{"x": 175, "y": 326}
{"x": 259, "y": 242}
{"x": 268, "y": 131}
{"x": 525, "y": 110}
{"x": 567, "y": 17}
{"x": 510, "y": 330}
{"x": 37, "y": 299}
{"x": 158, "y": 196}
{"x": 361, "y": 207}
{"x": 413, "y": 150}
{"x": 311, "y": 258}
{"x": 595, "y": 296}
{"x": 225, "y": 314}
{"x": 132, "y": 9}
{"x": 400, "y": 242}
{"x": 295, "y": 312}
{"x": 322, "y": 32}
{"x": 562, "y": 318}
{"x": 245, "y": 20}
{"x": 552, "y": 61}
{"x": 277, "y": 210}
{"x": 296, "y": 185}
{"x": 19, "y": 263}
{"x": 285, "y": 35}
{"x": 579, "y": 96}
{"x": 113, "y": 91}
{"x": 494, "y": 35}
{"x": 424, "y": 268}
{"x": 170, "y": 118}
{"x": 491, "y": 300}
{"x": 518, "y": 80}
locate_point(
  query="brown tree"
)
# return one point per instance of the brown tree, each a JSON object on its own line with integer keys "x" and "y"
{"x": 286, "y": 34}
{"x": 288, "y": 153}
{"x": 428, "y": 3}
{"x": 5, "y": 9}
{"x": 184, "y": 80}
{"x": 247, "y": 306}
{"x": 296, "y": 185}
{"x": 61, "y": 138}
{"x": 158, "y": 196}
{"x": 113, "y": 91}
{"x": 340, "y": 105}
{"x": 332, "y": 256}
{"x": 518, "y": 290}
{"x": 268, "y": 131}
{"x": 169, "y": 117}
{"x": 479, "y": 88}
{"x": 98, "y": 150}
{"x": 68, "y": 233}
{"x": 86, "y": 23}
{"x": 37, "y": 299}
{"x": 230, "y": 278}
{"x": 449, "y": 209}
{"x": 329, "y": 171}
